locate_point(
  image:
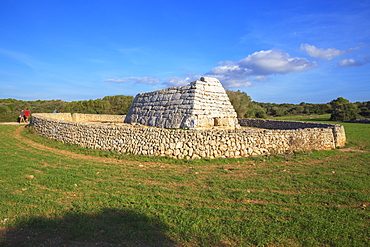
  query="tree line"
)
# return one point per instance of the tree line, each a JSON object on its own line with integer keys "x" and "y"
{"x": 340, "y": 109}
{"x": 116, "y": 105}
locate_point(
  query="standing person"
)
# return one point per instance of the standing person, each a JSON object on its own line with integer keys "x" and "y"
{"x": 27, "y": 115}
{"x": 55, "y": 111}
{"x": 21, "y": 116}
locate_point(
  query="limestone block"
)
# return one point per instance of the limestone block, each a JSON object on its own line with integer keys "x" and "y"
{"x": 203, "y": 96}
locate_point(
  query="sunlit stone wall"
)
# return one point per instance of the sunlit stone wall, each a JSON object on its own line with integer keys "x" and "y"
{"x": 191, "y": 144}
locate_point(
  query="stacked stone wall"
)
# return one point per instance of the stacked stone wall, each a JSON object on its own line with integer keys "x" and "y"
{"x": 78, "y": 117}
{"x": 337, "y": 129}
{"x": 278, "y": 124}
{"x": 179, "y": 143}
{"x": 59, "y": 116}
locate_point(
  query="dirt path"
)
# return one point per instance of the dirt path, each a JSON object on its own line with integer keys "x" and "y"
{"x": 352, "y": 149}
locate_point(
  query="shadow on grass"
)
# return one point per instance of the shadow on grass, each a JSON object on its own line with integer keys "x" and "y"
{"x": 111, "y": 227}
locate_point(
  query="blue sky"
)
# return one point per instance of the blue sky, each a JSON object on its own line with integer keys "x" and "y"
{"x": 275, "y": 51}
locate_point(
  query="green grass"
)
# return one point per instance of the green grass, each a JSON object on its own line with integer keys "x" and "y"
{"x": 300, "y": 199}
{"x": 313, "y": 118}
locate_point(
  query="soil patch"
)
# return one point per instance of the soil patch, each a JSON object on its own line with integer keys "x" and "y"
{"x": 352, "y": 149}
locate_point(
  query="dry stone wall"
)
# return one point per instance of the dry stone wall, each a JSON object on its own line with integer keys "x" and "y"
{"x": 192, "y": 144}
{"x": 337, "y": 129}
{"x": 78, "y": 117}
{"x": 59, "y": 116}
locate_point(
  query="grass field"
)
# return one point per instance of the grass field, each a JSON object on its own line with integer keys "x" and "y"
{"x": 54, "y": 194}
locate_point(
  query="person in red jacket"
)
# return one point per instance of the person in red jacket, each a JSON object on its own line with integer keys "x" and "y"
{"x": 26, "y": 114}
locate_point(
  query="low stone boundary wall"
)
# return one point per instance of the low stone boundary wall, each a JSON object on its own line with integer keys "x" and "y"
{"x": 179, "y": 143}
{"x": 78, "y": 117}
{"x": 58, "y": 116}
{"x": 279, "y": 124}
{"x": 338, "y": 130}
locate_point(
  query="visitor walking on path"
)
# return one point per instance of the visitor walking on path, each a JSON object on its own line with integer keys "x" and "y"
{"x": 21, "y": 117}
{"x": 27, "y": 115}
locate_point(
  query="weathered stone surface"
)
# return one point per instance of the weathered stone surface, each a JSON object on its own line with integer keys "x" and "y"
{"x": 278, "y": 137}
{"x": 202, "y": 104}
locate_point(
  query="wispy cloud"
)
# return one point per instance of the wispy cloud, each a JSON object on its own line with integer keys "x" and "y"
{"x": 325, "y": 54}
{"x": 177, "y": 81}
{"x": 353, "y": 63}
{"x": 349, "y": 63}
{"x": 22, "y": 58}
{"x": 135, "y": 80}
{"x": 99, "y": 61}
{"x": 131, "y": 50}
{"x": 261, "y": 78}
{"x": 229, "y": 81}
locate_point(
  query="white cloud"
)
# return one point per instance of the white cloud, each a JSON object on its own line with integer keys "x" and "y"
{"x": 326, "y": 54}
{"x": 274, "y": 62}
{"x": 259, "y": 64}
{"x": 135, "y": 80}
{"x": 261, "y": 78}
{"x": 176, "y": 81}
{"x": 351, "y": 62}
{"x": 237, "y": 74}
{"x": 231, "y": 69}
{"x": 230, "y": 81}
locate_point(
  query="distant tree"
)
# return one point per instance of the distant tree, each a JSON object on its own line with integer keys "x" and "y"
{"x": 343, "y": 110}
{"x": 364, "y": 109}
{"x": 244, "y": 106}
{"x": 7, "y": 115}
{"x": 322, "y": 108}
{"x": 259, "y": 112}
{"x": 120, "y": 104}
{"x": 279, "y": 111}
{"x": 241, "y": 102}
{"x": 297, "y": 110}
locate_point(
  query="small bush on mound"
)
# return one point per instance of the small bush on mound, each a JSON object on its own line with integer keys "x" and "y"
{"x": 343, "y": 110}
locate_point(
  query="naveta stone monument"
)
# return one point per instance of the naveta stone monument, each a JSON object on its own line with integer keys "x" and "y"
{"x": 201, "y": 104}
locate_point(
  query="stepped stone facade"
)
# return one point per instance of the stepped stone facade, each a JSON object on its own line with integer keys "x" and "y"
{"x": 201, "y": 104}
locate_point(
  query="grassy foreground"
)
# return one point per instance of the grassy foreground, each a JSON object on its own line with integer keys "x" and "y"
{"x": 53, "y": 198}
